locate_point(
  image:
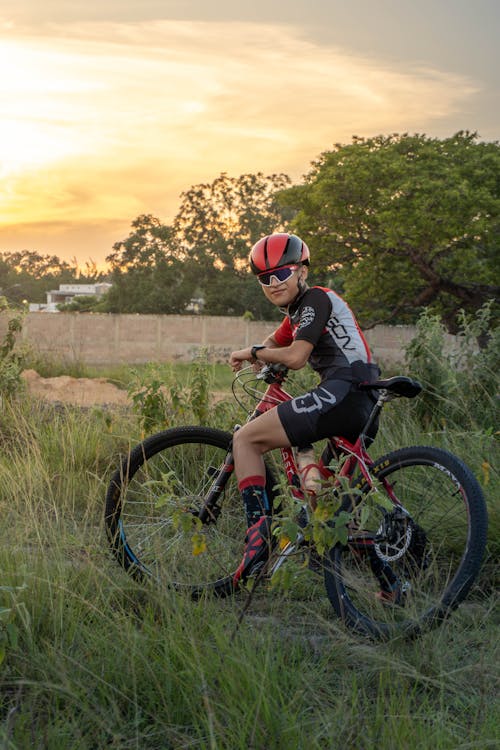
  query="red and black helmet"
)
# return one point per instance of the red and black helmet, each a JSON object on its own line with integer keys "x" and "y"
{"x": 277, "y": 250}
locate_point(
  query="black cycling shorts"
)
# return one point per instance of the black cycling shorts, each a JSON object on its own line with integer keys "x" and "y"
{"x": 334, "y": 408}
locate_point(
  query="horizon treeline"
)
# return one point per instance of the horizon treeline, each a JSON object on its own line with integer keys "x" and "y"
{"x": 396, "y": 223}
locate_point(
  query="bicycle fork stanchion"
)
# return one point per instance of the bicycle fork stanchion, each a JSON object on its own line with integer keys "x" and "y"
{"x": 210, "y": 510}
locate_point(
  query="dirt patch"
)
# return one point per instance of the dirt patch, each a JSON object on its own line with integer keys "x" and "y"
{"x": 85, "y": 391}
{"x": 79, "y": 391}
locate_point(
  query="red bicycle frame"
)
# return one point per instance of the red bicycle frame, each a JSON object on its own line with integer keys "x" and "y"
{"x": 355, "y": 453}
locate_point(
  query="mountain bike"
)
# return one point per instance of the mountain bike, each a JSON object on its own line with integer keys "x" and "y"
{"x": 415, "y": 516}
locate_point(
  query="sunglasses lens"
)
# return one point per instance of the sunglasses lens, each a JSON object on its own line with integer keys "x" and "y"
{"x": 280, "y": 274}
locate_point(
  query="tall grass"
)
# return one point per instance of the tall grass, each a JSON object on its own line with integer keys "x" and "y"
{"x": 90, "y": 659}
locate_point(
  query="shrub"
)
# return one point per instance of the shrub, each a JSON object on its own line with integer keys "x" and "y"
{"x": 162, "y": 401}
{"x": 11, "y": 359}
{"x": 462, "y": 382}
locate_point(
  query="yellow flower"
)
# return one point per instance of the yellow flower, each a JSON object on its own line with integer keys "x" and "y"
{"x": 199, "y": 544}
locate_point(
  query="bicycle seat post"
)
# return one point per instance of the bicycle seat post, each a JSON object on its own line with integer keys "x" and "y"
{"x": 382, "y": 399}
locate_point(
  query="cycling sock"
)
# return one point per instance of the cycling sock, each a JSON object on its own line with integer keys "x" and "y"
{"x": 255, "y": 499}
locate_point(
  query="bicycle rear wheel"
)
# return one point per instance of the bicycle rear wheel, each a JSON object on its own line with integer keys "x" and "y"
{"x": 428, "y": 549}
{"x": 152, "y": 506}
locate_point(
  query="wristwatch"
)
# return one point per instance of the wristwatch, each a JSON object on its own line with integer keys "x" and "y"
{"x": 255, "y": 348}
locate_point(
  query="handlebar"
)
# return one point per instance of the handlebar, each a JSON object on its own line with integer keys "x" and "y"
{"x": 273, "y": 373}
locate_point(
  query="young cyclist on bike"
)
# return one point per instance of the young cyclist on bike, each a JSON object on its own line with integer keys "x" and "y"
{"x": 319, "y": 329}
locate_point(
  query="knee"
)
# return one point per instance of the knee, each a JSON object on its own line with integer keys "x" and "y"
{"x": 244, "y": 440}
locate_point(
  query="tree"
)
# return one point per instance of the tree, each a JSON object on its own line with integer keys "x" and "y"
{"x": 147, "y": 274}
{"x": 82, "y": 304}
{"x": 160, "y": 268}
{"x": 410, "y": 221}
{"x": 215, "y": 227}
{"x": 217, "y": 222}
{"x": 28, "y": 275}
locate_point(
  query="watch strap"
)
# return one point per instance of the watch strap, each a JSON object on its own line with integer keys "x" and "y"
{"x": 255, "y": 348}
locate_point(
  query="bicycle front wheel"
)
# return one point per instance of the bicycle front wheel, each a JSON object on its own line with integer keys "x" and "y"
{"x": 152, "y": 508}
{"x": 415, "y": 547}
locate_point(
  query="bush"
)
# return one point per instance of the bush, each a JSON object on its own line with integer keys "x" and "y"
{"x": 11, "y": 360}
{"x": 461, "y": 383}
{"x": 161, "y": 400}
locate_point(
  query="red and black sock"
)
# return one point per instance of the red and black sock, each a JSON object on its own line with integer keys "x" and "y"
{"x": 255, "y": 499}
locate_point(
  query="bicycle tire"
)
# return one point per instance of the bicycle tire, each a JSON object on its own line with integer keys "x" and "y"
{"x": 435, "y": 557}
{"x": 151, "y": 512}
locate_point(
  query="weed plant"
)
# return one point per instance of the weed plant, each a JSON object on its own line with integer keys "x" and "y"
{"x": 162, "y": 399}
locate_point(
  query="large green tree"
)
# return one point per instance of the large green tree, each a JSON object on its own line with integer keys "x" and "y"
{"x": 215, "y": 227}
{"x": 408, "y": 221}
{"x": 147, "y": 273}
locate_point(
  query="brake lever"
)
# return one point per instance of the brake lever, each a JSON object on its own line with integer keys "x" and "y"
{"x": 273, "y": 373}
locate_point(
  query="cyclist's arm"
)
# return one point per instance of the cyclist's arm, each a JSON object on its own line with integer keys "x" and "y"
{"x": 288, "y": 354}
{"x": 294, "y": 356}
{"x": 245, "y": 355}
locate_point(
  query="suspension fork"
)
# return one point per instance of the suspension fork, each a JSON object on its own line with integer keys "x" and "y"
{"x": 210, "y": 509}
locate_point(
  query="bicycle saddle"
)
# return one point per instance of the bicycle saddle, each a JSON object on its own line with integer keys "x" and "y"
{"x": 399, "y": 385}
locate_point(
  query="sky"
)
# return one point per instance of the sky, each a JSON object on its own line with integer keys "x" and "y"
{"x": 112, "y": 109}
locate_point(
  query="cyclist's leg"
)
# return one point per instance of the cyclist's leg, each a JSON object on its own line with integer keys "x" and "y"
{"x": 302, "y": 420}
{"x": 254, "y": 439}
{"x": 250, "y": 443}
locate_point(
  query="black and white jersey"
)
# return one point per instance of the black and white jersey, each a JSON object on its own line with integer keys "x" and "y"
{"x": 323, "y": 318}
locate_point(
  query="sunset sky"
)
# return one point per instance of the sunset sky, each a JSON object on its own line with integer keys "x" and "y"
{"x": 111, "y": 109}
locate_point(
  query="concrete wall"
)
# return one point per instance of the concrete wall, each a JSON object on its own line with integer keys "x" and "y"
{"x": 108, "y": 339}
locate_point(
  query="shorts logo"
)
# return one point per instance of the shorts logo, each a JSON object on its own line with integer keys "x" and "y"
{"x": 314, "y": 401}
{"x": 307, "y": 316}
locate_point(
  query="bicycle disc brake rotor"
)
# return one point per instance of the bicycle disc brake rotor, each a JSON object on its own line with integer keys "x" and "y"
{"x": 395, "y": 534}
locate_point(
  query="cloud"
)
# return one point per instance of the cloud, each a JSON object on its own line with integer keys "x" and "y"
{"x": 106, "y": 120}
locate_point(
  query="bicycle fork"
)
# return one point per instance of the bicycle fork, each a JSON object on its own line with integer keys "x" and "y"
{"x": 210, "y": 509}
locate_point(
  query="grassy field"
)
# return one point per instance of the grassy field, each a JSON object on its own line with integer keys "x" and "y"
{"x": 90, "y": 659}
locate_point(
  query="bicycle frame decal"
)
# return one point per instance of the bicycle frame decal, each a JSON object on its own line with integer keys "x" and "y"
{"x": 291, "y": 473}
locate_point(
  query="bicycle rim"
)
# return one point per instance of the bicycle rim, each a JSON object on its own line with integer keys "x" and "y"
{"x": 152, "y": 509}
{"x": 407, "y": 568}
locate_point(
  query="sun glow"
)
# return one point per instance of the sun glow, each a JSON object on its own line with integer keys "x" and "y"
{"x": 37, "y": 123}
{"x": 101, "y": 122}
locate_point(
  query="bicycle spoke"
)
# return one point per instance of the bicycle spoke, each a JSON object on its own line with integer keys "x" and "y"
{"x": 161, "y": 492}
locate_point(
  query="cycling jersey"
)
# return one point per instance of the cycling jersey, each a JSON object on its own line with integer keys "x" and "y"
{"x": 342, "y": 358}
{"x": 321, "y": 317}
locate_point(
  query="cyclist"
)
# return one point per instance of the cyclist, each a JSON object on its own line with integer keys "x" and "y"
{"x": 320, "y": 329}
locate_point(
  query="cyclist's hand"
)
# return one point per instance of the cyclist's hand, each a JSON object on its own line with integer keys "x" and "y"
{"x": 258, "y": 365}
{"x": 238, "y": 357}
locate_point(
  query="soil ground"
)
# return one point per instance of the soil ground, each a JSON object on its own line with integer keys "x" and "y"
{"x": 83, "y": 391}
{"x": 79, "y": 391}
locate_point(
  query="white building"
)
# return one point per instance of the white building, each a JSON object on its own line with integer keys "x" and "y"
{"x": 66, "y": 293}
